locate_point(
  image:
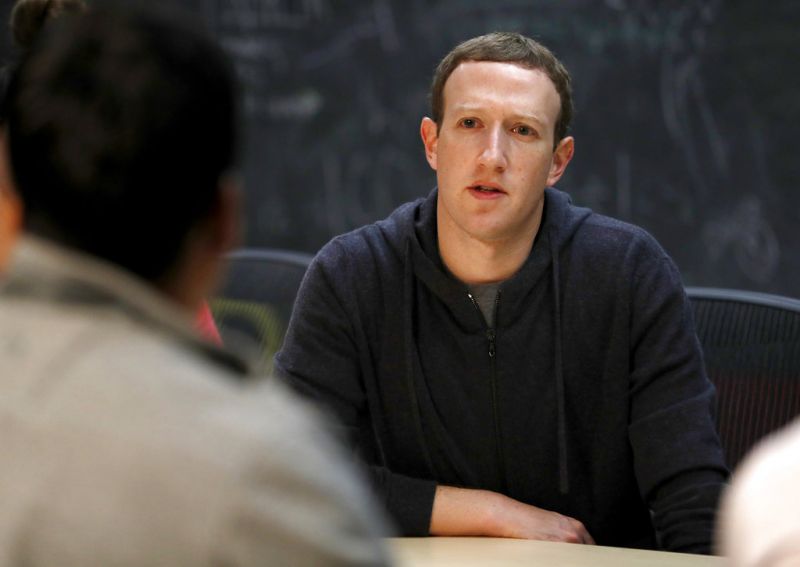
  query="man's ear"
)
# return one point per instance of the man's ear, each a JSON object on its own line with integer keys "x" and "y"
{"x": 200, "y": 267}
{"x": 10, "y": 206}
{"x": 10, "y": 223}
{"x": 561, "y": 158}
{"x": 226, "y": 225}
{"x": 428, "y": 130}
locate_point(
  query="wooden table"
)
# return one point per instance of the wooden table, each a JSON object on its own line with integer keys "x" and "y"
{"x": 475, "y": 551}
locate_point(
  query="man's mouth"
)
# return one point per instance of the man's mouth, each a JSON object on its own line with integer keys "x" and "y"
{"x": 486, "y": 189}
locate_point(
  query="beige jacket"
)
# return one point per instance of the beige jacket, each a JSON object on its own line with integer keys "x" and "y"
{"x": 127, "y": 441}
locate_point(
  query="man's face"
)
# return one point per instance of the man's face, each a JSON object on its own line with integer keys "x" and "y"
{"x": 493, "y": 152}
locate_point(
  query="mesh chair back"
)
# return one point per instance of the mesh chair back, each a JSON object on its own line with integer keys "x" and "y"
{"x": 254, "y": 304}
{"x": 751, "y": 343}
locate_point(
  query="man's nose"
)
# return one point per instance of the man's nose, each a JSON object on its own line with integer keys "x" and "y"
{"x": 494, "y": 151}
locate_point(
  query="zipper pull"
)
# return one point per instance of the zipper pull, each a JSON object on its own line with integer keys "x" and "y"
{"x": 490, "y": 336}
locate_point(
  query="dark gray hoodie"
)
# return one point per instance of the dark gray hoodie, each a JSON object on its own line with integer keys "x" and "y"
{"x": 588, "y": 397}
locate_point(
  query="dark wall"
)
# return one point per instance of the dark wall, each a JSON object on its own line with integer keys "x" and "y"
{"x": 687, "y": 117}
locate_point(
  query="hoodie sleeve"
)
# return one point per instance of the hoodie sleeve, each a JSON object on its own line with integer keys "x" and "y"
{"x": 677, "y": 455}
{"x": 321, "y": 360}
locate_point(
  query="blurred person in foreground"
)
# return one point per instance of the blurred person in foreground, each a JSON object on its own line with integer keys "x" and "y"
{"x": 760, "y": 513}
{"x": 510, "y": 364}
{"x": 28, "y": 17}
{"x": 126, "y": 439}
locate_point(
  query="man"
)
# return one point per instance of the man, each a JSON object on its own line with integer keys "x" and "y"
{"x": 126, "y": 439}
{"x": 759, "y": 523}
{"x": 510, "y": 364}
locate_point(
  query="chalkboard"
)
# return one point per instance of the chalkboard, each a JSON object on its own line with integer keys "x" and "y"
{"x": 687, "y": 116}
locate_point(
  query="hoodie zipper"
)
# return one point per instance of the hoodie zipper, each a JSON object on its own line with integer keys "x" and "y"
{"x": 491, "y": 337}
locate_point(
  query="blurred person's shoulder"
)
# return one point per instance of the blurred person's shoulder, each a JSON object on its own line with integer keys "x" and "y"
{"x": 759, "y": 522}
{"x": 161, "y": 441}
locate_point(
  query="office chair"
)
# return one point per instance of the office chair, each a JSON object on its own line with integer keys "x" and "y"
{"x": 751, "y": 343}
{"x": 254, "y": 303}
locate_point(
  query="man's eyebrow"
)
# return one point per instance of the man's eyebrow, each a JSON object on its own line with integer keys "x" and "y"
{"x": 529, "y": 118}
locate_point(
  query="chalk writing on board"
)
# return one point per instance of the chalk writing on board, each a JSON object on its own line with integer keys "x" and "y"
{"x": 682, "y": 123}
{"x": 363, "y": 187}
{"x": 747, "y": 233}
{"x": 624, "y": 208}
{"x": 687, "y": 112}
{"x": 259, "y": 14}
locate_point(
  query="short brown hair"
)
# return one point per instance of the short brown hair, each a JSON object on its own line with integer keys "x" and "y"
{"x": 506, "y": 47}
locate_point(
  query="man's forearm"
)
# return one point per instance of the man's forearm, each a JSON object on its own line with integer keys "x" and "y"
{"x": 463, "y": 512}
{"x": 471, "y": 512}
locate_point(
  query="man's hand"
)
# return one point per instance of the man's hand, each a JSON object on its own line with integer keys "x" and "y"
{"x": 467, "y": 512}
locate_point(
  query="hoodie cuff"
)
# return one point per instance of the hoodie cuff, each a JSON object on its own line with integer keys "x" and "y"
{"x": 410, "y": 502}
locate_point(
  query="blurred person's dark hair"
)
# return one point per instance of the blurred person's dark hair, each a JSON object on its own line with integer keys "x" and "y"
{"x": 121, "y": 125}
{"x": 28, "y": 17}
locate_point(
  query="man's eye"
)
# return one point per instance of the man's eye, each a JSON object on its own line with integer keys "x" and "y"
{"x": 469, "y": 123}
{"x": 524, "y": 130}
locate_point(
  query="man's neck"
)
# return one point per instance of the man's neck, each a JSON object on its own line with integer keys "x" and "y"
{"x": 473, "y": 261}
{"x": 193, "y": 277}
